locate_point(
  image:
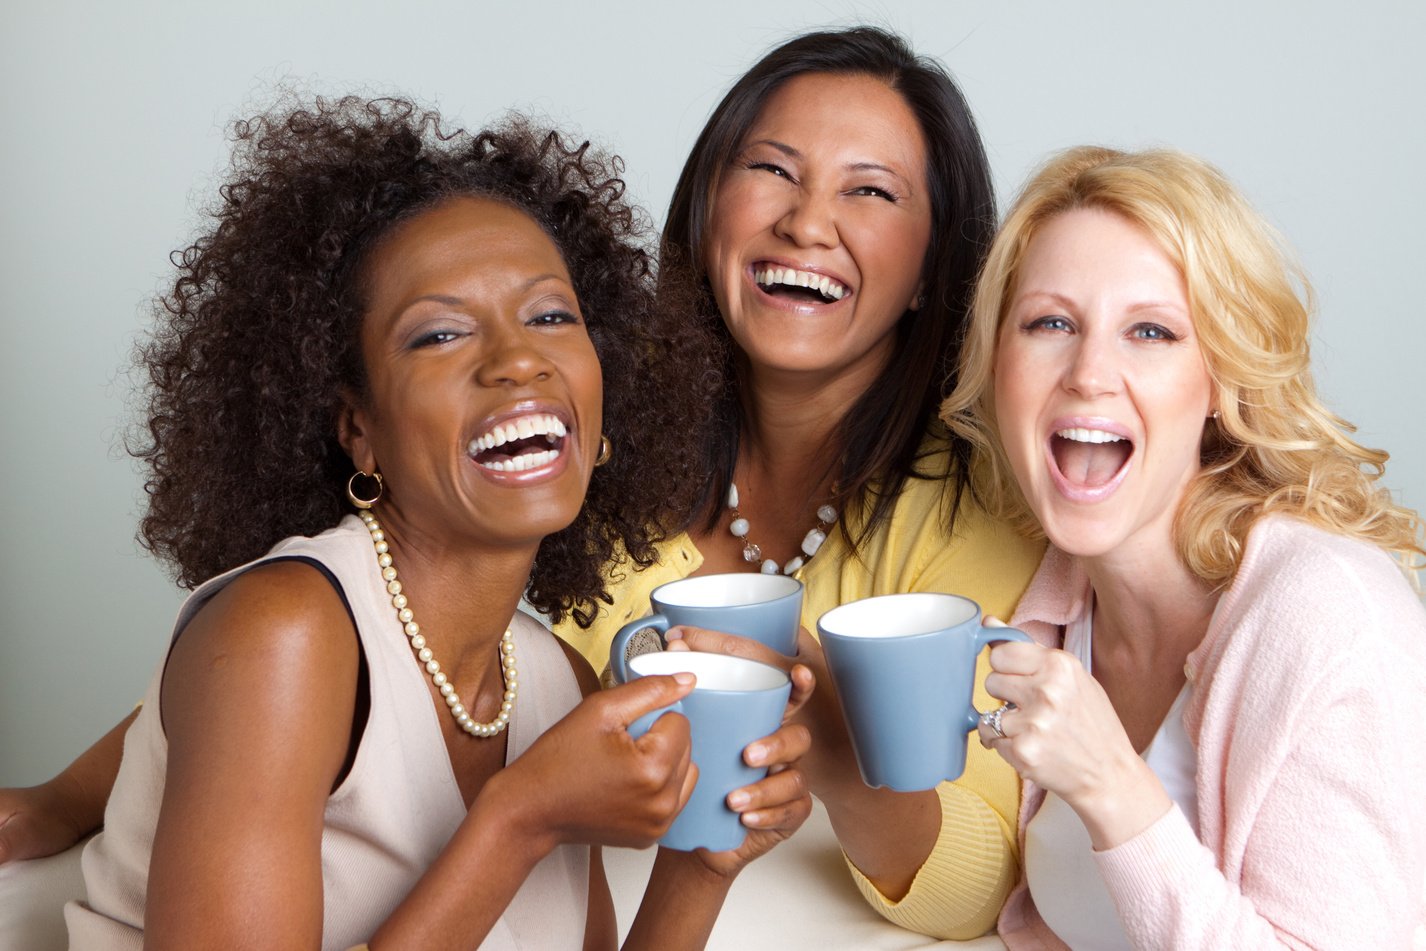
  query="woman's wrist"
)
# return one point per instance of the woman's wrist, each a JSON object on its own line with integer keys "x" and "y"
{"x": 688, "y": 870}
{"x": 515, "y": 817}
{"x": 833, "y": 777}
{"x": 1126, "y": 802}
{"x": 72, "y": 803}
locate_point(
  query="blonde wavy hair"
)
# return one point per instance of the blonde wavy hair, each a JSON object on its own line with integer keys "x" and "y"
{"x": 1275, "y": 446}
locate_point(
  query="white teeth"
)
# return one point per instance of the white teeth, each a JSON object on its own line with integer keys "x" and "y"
{"x": 536, "y": 424}
{"x": 523, "y": 463}
{"x": 794, "y": 278}
{"x": 1088, "y": 435}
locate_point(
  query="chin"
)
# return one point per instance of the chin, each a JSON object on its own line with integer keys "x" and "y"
{"x": 1082, "y": 534}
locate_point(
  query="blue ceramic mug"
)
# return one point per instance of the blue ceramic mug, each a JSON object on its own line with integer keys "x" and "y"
{"x": 904, "y": 669}
{"x": 734, "y": 702}
{"x": 765, "y": 608}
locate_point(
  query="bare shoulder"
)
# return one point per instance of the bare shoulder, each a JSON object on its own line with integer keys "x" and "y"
{"x": 283, "y": 612}
{"x": 584, "y": 674}
{"x": 274, "y": 648}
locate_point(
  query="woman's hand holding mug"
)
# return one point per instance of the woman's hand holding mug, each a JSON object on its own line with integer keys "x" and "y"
{"x": 1064, "y": 736}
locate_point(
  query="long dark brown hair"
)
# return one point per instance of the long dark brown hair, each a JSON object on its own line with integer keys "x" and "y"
{"x": 880, "y": 435}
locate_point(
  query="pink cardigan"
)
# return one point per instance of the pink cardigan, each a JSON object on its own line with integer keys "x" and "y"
{"x": 1309, "y": 715}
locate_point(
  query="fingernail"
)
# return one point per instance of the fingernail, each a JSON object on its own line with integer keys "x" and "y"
{"x": 673, "y": 634}
{"x": 737, "y": 799}
{"x": 755, "y": 754}
{"x": 684, "y": 677}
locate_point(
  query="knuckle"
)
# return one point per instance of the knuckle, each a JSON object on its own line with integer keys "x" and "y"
{"x": 1060, "y": 663}
{"x": 1053, "y": 695}
{"x": 652, "y": 774}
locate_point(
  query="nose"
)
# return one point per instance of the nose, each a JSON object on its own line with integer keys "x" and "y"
{"x": 512, "y": 360}
{"x": 809, "y": 221}
{"x": 1094, "y": 370}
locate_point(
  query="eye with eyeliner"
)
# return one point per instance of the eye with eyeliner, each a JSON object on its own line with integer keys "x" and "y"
{"x": 552, "y": 318}
{"x": 1053, "y": 323}
{"x": 755, "y": 165}
{"x": 433, "y": 338}
{"x": 876, "y": 191}
{"x": 1152, "y": 332}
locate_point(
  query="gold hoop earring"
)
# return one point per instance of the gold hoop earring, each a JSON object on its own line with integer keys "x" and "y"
{"x": 605, "y": 451}
{"x": 358, "y": 501}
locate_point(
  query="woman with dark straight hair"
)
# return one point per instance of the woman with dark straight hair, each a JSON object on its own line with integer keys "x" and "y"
{"x": 829, "y": 223}
{"x": 882, "y": 430}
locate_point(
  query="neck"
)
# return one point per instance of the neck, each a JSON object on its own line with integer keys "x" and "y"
{"x": 1149, "y": 606}
{"x": 463, "y": 594}
{"x": 790, "y": 421}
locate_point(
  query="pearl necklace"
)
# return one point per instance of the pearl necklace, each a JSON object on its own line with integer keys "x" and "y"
{"x": 811, "y": 542}
{"x": 424, "y": 655}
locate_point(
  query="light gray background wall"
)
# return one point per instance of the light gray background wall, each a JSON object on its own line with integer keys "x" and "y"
{"x": 113, "y": 118}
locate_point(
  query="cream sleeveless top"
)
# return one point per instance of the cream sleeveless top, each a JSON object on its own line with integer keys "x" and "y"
{"x": 392, "y": 814}
{"x": 1060, "y": 870}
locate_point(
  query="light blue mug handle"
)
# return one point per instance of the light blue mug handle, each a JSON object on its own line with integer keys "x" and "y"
{"x": 645, "y": 723}
{"x": 618, "y": 663}
{"x": 985, "y": 636}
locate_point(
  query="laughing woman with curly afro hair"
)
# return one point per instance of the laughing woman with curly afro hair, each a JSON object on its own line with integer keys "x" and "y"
{"x": 388, "y": 354}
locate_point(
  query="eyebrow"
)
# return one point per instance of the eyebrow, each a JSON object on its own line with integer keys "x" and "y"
{"x": 1066, "y": 302}
{"x": 450, "y": 301}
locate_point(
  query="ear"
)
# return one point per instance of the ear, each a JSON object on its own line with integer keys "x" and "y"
{"x": 918, "y": 298}
{"x": 352, "y": 422}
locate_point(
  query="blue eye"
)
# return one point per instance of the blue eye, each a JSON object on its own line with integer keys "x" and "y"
{"x": 1152, "y": 332}
{"x": 1054, "y": 323}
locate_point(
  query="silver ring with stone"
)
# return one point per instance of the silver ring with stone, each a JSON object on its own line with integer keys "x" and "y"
{"x": 992, "y": 719}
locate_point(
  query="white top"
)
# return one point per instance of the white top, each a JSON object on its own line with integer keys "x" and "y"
{"x": 1060, "y": 870}
{"x": 392, "y": 814}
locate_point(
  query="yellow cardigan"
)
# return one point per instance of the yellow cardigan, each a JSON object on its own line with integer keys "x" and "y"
{"x": 959, "y": 890}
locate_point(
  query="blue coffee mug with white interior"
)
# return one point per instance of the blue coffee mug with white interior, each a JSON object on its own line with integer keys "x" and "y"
{"x": 903, "y": 666}
{"x": 734, "y": 702}
{"x": 764, "y": 608}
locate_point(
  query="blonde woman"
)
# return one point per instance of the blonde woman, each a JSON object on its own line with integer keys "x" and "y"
{"x": 1219, "y": 728}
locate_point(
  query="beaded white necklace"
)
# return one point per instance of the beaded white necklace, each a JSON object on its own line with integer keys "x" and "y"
{"x": 752, "y": 553}
{"x": 428, "y": 660}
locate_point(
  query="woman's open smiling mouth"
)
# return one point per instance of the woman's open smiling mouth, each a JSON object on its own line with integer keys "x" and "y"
{"x": 1088, "y": 459}
{"x": 520, "y": 444}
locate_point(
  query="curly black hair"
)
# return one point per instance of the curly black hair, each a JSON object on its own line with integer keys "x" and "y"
{"x": 260, "y": 334}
